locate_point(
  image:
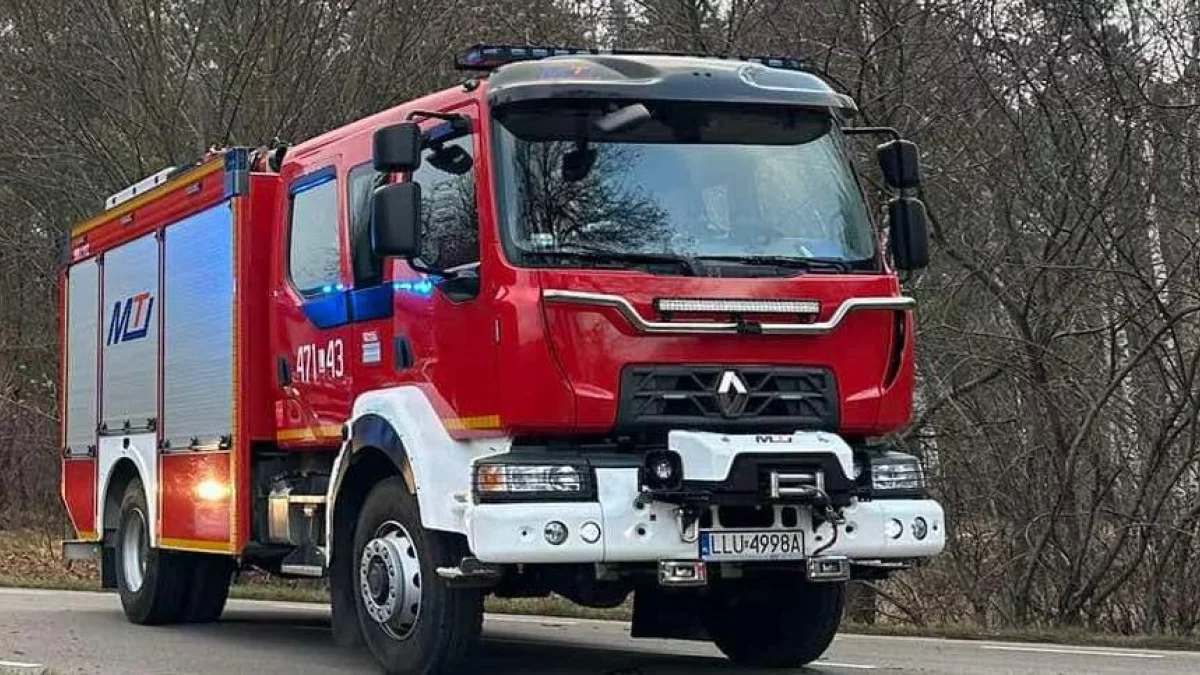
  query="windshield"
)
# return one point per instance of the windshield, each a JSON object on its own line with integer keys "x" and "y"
{"x": 687, "y": 180}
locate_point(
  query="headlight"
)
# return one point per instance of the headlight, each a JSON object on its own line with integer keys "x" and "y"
{"x": 533, "y": 482}
{"x": 895, "y": 472}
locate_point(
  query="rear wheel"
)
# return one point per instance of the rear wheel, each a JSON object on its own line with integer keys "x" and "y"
{"x": 412, "y": 621}
{"x": 774, "y": 624}
{"x": 151, "y": 581}
{"x": 210, "y": 578}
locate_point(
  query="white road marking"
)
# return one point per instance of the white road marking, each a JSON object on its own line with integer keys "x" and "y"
{"x": 541, "y": 620}
{"x": 18, "y": 664}
{"x": 831, "y": 664}
{"x": 1066, "y": 650}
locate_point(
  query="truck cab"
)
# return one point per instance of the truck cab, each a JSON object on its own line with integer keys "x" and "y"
{"x": 593, "y": 324}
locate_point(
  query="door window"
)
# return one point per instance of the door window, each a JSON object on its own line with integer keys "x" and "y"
{"x": 368, "y": 268}
{"x": 449, "y": 218}
{"x": 314, "y": 251}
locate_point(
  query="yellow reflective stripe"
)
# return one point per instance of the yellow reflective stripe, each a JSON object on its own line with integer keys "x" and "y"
{"x": 466, "y": 423}
{"x": 195, "y": 545}
{"x": 310, "y": 433}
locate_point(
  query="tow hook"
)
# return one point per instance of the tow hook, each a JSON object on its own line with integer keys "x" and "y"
{"x": 689, "y": 521}
{"x": 470, "y": 573}
{"x": 829, "y": 568}
{"x": 682, "y": 573}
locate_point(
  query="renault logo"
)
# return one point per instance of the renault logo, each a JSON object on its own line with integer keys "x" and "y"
{"x": 732, "y": 394}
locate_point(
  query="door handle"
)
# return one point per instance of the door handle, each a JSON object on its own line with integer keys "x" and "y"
{"x": 284, "y": 370}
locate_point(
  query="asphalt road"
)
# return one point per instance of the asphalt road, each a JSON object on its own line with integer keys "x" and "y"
{"x": 69, "y": 632}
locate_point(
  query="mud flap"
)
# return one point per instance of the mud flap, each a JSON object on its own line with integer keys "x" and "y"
{"x": 108, "y": 567}
{"x": 669, "y": 613}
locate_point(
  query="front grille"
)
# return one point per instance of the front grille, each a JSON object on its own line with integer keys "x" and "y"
{"x": 748, "y": 398}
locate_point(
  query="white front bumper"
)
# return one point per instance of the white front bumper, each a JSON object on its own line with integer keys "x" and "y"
{"x": 514, "y": 532}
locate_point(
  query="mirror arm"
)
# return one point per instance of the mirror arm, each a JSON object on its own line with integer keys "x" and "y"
{"x": 453, "y": 118}
{"x": 872, "y": 131}
{"x": 418, "y": 266}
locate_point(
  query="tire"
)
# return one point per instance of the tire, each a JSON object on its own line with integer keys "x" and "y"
{"x": 151, "y": 581}
{"x": 783, "y": 624}
{"x": 211, "y": 576}
{"x": 441, "y": 635}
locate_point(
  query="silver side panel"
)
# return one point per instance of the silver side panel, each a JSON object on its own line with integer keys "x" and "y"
{"x": 130, "y": 334}
{"x": 198, "y": 329}
{"x": 83, "y": 339}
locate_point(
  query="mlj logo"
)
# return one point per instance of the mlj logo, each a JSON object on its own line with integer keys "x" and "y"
{"x": 130, "y": 319}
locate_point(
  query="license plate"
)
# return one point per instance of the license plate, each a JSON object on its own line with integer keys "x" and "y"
{"x": 752, "y": 545}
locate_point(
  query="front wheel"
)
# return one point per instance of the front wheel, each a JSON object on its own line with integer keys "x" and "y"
{"x": 774, "y": 624}
{"x": 412, "y": 621}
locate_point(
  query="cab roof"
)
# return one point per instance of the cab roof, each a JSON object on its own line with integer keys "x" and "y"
{"x": 646, "y": 77}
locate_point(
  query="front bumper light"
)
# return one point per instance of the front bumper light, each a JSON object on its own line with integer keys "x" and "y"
{"x": 896, "y": 472}
{"x": 533, "y": 482}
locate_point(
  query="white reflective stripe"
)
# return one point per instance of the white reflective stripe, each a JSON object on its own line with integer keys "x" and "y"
{"x": 1072, "y": 650}
{"x": 18, "y": 664}
{"x": 739, "y": 306}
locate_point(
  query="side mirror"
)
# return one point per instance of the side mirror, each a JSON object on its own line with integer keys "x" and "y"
{"x": 397, "y": 148}
{"x": 907, "y": 233}
{"x": 901, "y": 164}
{"x": 396, "y": 220}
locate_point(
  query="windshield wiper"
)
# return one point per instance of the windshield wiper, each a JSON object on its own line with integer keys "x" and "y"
{"x": 603, "y": 255}
{"x": 826, "y": 264}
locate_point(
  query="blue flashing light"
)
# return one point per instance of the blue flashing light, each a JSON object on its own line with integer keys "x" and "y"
{"x": 781, "y": 62}
{"x": 491, "y": 57}
{"x": 327, "y": 288}
{"x": 422, "y": 288}
{"x": 237, "y": 171}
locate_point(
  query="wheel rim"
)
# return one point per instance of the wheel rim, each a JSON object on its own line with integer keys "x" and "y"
{"x": 389, "y": 580}
{"x": 134, "y": 549}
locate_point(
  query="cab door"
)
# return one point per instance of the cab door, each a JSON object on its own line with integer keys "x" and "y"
{"x": 311, "y": 310}
{"x": 452, "y": 324}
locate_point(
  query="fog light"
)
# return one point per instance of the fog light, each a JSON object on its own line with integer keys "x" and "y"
{"x": 894, "y": 528}
{"x": 556, "y": 532}
{"x": 589, "y": 532}
{"x": 920, "y": 528}
{"x": 663, "y": 470}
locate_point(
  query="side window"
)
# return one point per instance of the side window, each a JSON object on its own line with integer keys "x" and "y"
{"x": 368, "y": 268}
{"x": 314, "y": 252}
{"x": 449, "y": 219}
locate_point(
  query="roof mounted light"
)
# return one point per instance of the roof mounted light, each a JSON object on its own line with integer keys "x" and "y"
{"x": 491, "y": 57}
{"x": 781, "y": 62}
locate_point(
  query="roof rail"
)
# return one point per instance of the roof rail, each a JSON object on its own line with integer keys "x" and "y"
{"x": 141, "y": 187}
{"x": 488, "y": 57}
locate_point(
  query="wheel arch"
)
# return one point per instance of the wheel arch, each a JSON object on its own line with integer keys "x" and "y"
{"x": 123, "y": 472}
{"x": 372, "y": 452}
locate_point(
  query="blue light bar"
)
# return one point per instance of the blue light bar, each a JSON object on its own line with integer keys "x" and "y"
{"x": 491, "y": 57}
{"x": 781, "y": 62}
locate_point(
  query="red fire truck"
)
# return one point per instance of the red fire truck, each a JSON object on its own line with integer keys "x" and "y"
{"x": 593, "y": 324}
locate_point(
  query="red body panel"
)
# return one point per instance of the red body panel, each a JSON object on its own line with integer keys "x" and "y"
{"x": 592, "y": 345}
{"x": 256, "y": 404}
{"x": 196, "y": 500}
{"x": 79, "y": 494}
{"x": 452, "y": 342}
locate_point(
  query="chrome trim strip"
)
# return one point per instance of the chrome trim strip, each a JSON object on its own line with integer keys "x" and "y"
{"x": 639, "y": 322}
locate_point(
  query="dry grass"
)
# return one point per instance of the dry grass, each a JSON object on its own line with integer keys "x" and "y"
{"x": 29, "y": 559}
